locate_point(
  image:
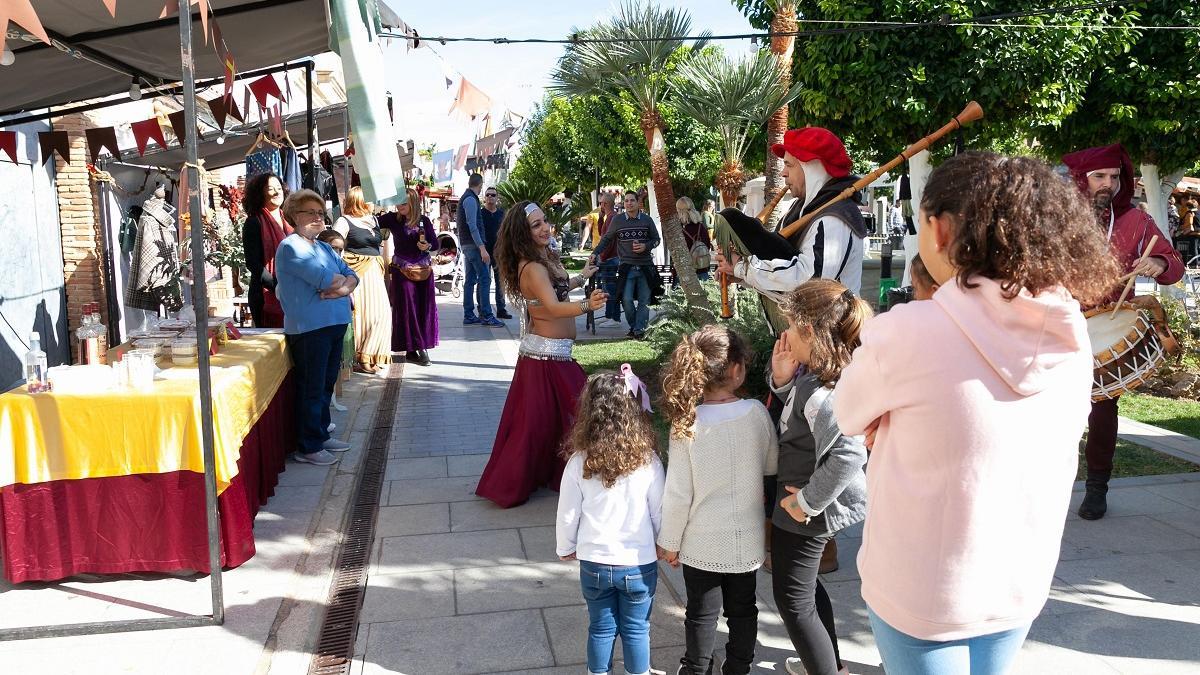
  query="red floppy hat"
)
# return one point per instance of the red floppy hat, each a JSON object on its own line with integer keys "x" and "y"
{"x": 816, "y": 143}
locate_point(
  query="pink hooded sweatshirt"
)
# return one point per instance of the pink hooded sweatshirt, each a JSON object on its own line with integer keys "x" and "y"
{"x": 982, "y": 403}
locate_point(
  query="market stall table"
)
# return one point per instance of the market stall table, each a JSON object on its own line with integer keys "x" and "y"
{"x": 114, "y": 482}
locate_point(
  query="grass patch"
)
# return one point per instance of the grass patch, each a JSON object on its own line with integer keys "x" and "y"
{"x": 597, "y": 355}
{"x": 1180, "y": 416}
{"x": 1135, "y": 460}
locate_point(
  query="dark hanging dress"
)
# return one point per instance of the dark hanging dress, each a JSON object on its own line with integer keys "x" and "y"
{"x": 414, "y": 303}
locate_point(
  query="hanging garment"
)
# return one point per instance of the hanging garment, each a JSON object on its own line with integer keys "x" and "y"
{"x": 266, "y": 160}
{"x": 155, "y": 265}
{"x": 290, "y": 168}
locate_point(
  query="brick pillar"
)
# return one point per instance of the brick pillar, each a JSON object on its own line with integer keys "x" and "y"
{"x": 83, "y": 253}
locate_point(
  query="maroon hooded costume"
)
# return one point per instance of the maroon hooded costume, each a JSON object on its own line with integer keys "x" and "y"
{"x": 1131, "y": 228}
{"x": 1129, "y": 232}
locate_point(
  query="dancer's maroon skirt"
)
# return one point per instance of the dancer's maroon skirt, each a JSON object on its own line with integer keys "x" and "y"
{"x": 537, "y": 415}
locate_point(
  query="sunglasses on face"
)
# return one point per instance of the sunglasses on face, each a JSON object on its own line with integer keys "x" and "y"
{"x": 490, "y": 194}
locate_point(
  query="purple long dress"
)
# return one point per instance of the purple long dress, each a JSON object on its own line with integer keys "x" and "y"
{"x": 414, "y": 303}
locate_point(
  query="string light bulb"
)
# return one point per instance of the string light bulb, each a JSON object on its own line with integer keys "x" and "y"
{"x": 135, "y": 90}
{"x": 7, "y": 57}
{"x": 221, "y": 139}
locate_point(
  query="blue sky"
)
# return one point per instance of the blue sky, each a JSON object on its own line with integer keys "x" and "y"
{"x": 515, "y": 75}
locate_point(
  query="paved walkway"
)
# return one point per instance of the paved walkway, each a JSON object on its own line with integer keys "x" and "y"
{"x": 460, "y": 586}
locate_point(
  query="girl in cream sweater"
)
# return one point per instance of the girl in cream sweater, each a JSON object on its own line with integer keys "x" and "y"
{"x": 721, "y": 446}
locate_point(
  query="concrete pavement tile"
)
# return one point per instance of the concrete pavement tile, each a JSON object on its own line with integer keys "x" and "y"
{"x": 294, "y": 498}
{"x": 1037, "y": 658}
{"x": 1135, "y": 501}
{"x": 484, "y": 515}
{"x": 416, "y": 467}
{"x": 460, "y": 645}
{"x": 569, "y": 625}
{"x": 1115, "y": 536}
{"x": 397, "y": 521}
{"x": 467, "y": 465}
{"x": 432, "y": 491}
{"x": 1138, "y": 584}
{"x": 1186, "y": 521}
{"x": 539, "y": 543}
{"x": 1121, "y": 640}
{"x": 458, "y": 550}
{"x": 1183, "y": 493}
{"x": 396, "y": 597}
{"x": 297, "y": 473}
{"x": 507, "y": 587}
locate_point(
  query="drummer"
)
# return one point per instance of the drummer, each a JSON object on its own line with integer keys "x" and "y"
{"x": 1105, "y": 176}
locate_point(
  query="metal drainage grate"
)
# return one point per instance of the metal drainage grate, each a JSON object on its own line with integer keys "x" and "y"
{"x": 335, "y": 645}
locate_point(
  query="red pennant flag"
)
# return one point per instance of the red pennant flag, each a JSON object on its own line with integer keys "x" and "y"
{"x": 219, "y": 111}
{"x": 144, "y": 131}
{"x": 8, "y": 144}
{"x": 179, "y": 126}
{"x": 263, "y": 87}
{"x": 102, "y": 138}
{"x": 50, "y": 142}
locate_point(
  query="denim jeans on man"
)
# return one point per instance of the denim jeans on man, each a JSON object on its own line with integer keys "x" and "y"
{"x": 317, "y": 360}
{"x": 608, "y": 277}
{"x": 478, "y": 286}
{"x": 903, "y": 654}
{"x": 501, "y": 308}
{"x": 619, "y": 599}
{"x": 636, "y": 300}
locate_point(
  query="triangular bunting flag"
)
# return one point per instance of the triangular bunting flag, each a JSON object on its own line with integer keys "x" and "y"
{"x": 219, "y": 111}
{"x": 8, "y": 144}
{"x": 20, "y": 12}
{"x": 263, "y": 87}
{"x": 179, "y": 126}
{"x": 50, "y": 142}
{"x": 226, "y": 59}
{"x": 112, "y": 7}
{"x": 101, "y": 138}
{"x": 144, "y": 131}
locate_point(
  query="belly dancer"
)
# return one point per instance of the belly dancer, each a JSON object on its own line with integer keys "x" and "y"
{"x": 547, "y": 382}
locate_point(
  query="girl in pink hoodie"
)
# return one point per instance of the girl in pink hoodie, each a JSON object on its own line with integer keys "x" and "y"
{"x": 977, "y": 433}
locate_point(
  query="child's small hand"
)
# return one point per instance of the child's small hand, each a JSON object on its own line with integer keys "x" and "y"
{"x": 567, "y": 557}
{"x": 783, "y": 361}
{"x": 872, "y": 429}
{"x": 669, "y": 557}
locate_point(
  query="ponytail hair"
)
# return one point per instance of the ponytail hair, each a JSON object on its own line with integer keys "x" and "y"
{"x": 834, "y": 316}
{"x": 701, "y": 361}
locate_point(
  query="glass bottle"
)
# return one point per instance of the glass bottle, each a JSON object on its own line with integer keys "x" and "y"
{"x": 85, "y": 339}
{"x": 101, "y": 333}
{"x": 35, "y": 366}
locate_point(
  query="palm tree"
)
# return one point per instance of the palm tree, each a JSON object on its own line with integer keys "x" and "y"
{"x": 631, "y": 55}
{"x": 735, "y": 98}
{"x": 518, "y": 188}
{"x": 782, "y": 48}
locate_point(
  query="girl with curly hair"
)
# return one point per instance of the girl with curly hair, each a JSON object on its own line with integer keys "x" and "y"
{"x": 820, "y": 468}
{"x": 547, "y": 381}
{"x": 721, "y": 447}
{"x": 975, "y": 442}
{"x": 609, "y": 511}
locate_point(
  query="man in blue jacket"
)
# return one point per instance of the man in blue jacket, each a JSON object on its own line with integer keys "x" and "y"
{"x": 477, "y": 262}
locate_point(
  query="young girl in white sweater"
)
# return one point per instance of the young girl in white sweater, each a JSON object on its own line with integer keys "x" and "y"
{"x": 721, "y": 447}
{"x": 609, "y": 510}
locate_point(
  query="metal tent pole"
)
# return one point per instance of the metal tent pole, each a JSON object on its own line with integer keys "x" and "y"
{"x": 200, "y": 304}
{"x": 309, "y": 66}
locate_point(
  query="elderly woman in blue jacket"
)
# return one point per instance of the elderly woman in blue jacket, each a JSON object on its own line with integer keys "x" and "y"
{"x": 313, "y": 285}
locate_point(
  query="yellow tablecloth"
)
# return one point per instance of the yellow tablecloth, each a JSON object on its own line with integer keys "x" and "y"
{"x": 58, "y": 436}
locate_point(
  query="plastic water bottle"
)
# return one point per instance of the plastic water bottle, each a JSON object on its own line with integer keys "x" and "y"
{"x": 35, "y": 366}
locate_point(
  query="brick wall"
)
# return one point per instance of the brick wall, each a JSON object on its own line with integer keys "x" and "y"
{"x": 83, "y": 253}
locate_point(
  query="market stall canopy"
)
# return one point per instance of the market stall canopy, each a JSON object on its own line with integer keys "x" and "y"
{"x": 330, "y": 128}
{"x": 259, "y": 33}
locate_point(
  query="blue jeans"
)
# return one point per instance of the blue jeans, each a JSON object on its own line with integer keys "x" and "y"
{"x": 980, "y": 655}
{"x": 619, "y": 600}
{"x": 703, "y": 274}
{"x": 637, "y": 290}
{"x": 608, "y": 276}
{"x": 478, "y": 285}
{"x": 317, "y": 360}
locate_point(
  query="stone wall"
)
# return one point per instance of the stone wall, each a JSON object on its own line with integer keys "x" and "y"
{"x": 83, "y": 251}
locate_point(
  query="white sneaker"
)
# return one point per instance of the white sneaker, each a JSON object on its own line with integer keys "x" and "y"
{"x": 320, "y": 458}
{"x": 334, "y": 445}
{"x": 336, "y": 406}
{"x": 331, "y": 427}
{"x": 794, "y": 666}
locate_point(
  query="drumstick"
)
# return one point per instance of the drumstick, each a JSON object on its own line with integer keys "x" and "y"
{"x": 1133, "y": 277}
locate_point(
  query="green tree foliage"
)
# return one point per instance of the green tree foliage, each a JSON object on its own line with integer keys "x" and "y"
{"x": 1145, "y": 95}
{"x": 887, "y": 88}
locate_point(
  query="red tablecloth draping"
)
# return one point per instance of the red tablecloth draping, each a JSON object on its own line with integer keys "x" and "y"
{"x": 143, "y": 522}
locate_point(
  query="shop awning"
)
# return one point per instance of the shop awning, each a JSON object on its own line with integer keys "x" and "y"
{"x": 259, "y": 33}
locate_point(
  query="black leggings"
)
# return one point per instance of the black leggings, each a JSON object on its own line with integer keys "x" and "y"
{"x": 802, "y": 601}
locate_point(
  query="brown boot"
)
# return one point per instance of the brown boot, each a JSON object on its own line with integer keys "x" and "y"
{"x": 829, "y": 560}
